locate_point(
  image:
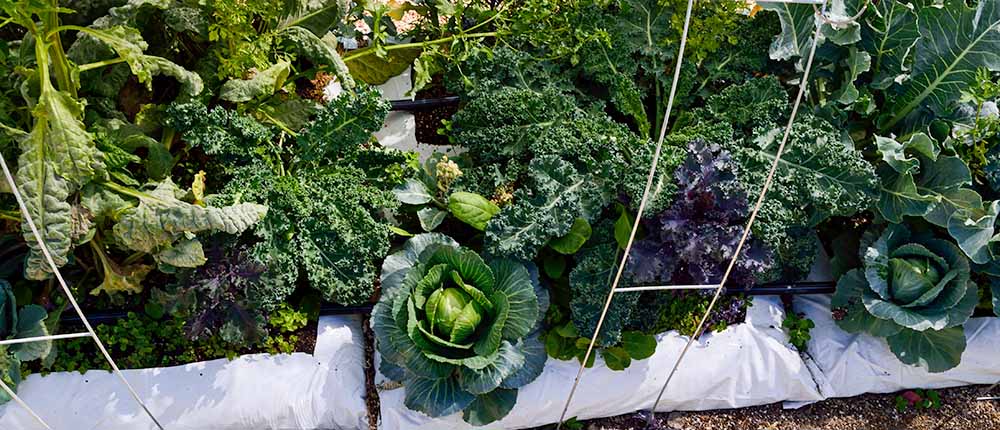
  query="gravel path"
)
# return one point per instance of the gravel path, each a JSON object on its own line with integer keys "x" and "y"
{"x": 959, "y": 411}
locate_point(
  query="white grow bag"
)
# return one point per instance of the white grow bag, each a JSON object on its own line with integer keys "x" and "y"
{"x": 324, "y": 390}
{"x": 854, "y": 364}
{"x": 746, "y": 364}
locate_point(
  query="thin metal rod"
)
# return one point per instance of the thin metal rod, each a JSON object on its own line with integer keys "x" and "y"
{"x": 13, "y": 396}
{"x": 642, "y": 209}
{"x": 43, "y": 338}
{"x": 753, "y": 217}
{"x": 987, "y": 398}
{"x": 666, "y": 287}
{"x": 69, "y": 294}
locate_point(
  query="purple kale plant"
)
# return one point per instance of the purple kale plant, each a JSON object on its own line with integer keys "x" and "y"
{"x": 218, "y": 297}
{"x": 692, "y": 241}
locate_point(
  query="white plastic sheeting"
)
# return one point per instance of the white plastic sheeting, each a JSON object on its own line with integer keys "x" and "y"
{"x": 324, "y": 390}
{"x": 746, "y": 364}
{"x": 854, "y": 364}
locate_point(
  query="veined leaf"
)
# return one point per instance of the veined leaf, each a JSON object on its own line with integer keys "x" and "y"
{"x": 57, "y": 157}
{"x": 262, "y": 84}
{"x": 161, "y": 219}
{"x": 317, "y": 16}
{"x": 890, "y": 31}
{"x": 376, "y": 71}
{"x": 797, "y": 30}
{"x": 128, "y": 43}
{"x": 472, "y": 209}
{"x": 310, "y": 46}
{"x": 955, "y": 41}
{"x": 934, "y": 350}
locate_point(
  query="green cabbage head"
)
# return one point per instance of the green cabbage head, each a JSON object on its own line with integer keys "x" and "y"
{"x": 458, "y": 332}
{"x": 914, "y": 290}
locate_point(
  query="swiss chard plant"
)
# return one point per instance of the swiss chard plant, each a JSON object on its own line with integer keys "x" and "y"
{"x": 913, "y": 290}
{"x": 73, "y": 178}
{"x": 460, "y": 332}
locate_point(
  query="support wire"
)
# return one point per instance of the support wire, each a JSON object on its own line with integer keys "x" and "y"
{"x": 753, "y": 216}
{"x": 18, "y": 400}
{"x": 642, "y": 209}
{"x": 69, "y": 293}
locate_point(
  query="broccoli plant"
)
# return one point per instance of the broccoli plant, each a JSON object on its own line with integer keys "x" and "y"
{"x": 459, "y": 332}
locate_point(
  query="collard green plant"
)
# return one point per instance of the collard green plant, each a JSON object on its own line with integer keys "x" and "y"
{"x": 914, "y": 290}
{"x": 15, "y": 323}
{"x": 459, "y": 332}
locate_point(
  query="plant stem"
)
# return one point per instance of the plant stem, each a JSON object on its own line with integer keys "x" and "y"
{"x": 10, "y": 215}
{"x": 368, "y": 51}
{"x": 99, "y": 64}
{"x": 168, "y": 137}
{"x": 60, "y": 64}
{"x": 120, "y": 189}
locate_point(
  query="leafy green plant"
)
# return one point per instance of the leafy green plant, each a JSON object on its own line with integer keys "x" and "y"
{"x": 558, "y": 161}
{"x": 914, "y": 290}
{"x": 460, "y": 333}
{"x": 431, "y": 192}
{"x": 26, "y": 322}
{"x": 918, "y": 399}
{"x": 797, "y": 326}
{"x": 324, "y": 191}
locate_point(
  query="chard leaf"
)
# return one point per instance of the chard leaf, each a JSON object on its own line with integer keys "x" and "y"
{"x": 310, "y": 46}
{"x": 57, "y": 158}
{"x": 161, "y": 219}
{"x": 317, "y": 16}
{"x": 262, "y": 84}
{"x": 955, "y": 41}
{"x": 127, "y": 42}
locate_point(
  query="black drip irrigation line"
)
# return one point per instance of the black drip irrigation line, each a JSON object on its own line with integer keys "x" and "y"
{"x": 423, "y": 104}
{"x": 326, "y": 309}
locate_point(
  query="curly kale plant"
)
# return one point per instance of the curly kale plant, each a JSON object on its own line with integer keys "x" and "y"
{"x": 29, "y": 321}
{"x": 460, "y": 333}
{"x": 325, "y": 192}
{"x": 914, "y": 290}
{"x": 819, "y": 175}
{"x": 564, "y": 163}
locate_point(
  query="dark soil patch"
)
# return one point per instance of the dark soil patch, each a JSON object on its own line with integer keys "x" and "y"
{"x": 429, "y": 120}
{"x": 371, "y": 392}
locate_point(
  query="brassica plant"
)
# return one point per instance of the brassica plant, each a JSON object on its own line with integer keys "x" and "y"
{"x": 458, "y": 332}
{"x": 29, "y": 321}
{"x": 914, "y": 290}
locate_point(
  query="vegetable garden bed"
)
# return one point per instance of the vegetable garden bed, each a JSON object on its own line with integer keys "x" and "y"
{"x": 218, "y": 179}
